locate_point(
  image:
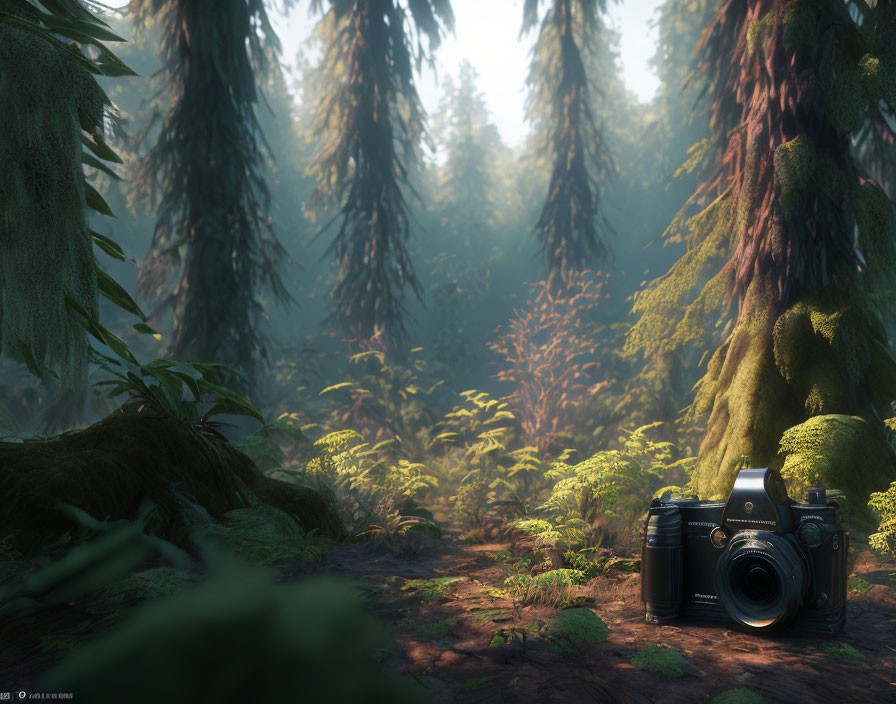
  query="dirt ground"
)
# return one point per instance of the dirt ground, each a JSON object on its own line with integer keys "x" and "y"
{"x": 446, "y": 607}
{"x": 462, "y": 636}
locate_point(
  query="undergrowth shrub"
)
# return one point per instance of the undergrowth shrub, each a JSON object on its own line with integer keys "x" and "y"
{"x": 600, "y": 502}
{"x": 495, "y": 476}
{"x": 384, "y": 400}
{"x": 375, "y": 492}
{"x": 883, "y": 503}
{"x": 548, "y": 353}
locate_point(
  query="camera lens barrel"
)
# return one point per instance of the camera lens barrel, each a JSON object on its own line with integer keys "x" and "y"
{"x": 761, "y": 579}
{"x": 661, "y": 564}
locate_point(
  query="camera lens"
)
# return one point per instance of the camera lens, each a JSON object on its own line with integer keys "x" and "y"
{"x": 761, "y": 579}
{"x": 755, "y": 581}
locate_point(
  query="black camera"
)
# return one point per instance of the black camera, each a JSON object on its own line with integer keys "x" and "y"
{"x": 757, "y": 559}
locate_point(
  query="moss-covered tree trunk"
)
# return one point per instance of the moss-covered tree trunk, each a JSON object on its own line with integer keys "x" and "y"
{"x": 109, "y": 469}
{"x": 777, "y": 372}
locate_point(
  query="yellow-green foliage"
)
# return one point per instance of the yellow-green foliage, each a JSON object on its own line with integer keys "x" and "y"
{"x": 839, "y": 452}
{"x": 883, "y": 503}
{"x": 831, "y": 354}
{"x": 608, "y": 491}
{"x": 760, "y": 29}
{"x": 681, "y": 309}
{"x": 370, "y": 486}
{"x": 492, "y": 473}
{"x": 553, "y": 587}
{"x": 869, "y": 67}
{"x": 47, "y": 250}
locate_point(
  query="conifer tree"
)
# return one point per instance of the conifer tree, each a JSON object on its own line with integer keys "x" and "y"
{"x": 371, "y": 121}
{"x": 560, "y": 105}
{"x": 213, "y": 248}
{"x": 469, "y": 140}
{"x": 793, "y": 237}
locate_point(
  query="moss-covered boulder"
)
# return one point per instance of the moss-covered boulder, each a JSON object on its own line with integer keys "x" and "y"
{"x": 841, "y": 452}
{"x": 109, "y": 469}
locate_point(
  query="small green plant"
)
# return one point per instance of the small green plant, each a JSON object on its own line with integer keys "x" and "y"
{"x": 554, "y": 587}
{"x": 384, "y": 401}
{"x": 430, "y": 589}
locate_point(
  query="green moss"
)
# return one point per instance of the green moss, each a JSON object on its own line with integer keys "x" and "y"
{"x": 842, "y": 89}
{"x": 759, "y": 29}
{"x": 843, "y": 452}
{"x": 660, "y": 659}
{"x": 739, "y": 695}
{"x": 573, "y": 626}
{"x": 794, "y": 169}
{"x": 110, "y": 468}
{"x": 748, "y": 402}
{"x": 800, "y": 26}
{"x": 829, "y": 355}
{"x": 887, "y": 67}
{"x": 437, "y": 630}
{"x": 840, "y": 649}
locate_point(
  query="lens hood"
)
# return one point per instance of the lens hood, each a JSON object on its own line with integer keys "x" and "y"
{"x": 761, "y": 579}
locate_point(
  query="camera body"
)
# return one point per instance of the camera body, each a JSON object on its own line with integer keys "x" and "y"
{"x": 757, "y": 559}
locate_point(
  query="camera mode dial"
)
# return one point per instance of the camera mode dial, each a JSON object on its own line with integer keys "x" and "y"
{"x": 718, "y": 537}
{"x": 811, "y": 534}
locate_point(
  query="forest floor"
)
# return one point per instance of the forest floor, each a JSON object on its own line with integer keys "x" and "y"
{"x": 452, "y": 620}
{"x": 461, "y": 635}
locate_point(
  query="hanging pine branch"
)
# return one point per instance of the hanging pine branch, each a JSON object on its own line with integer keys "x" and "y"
{"x": 560, "y": 106}
{"x": 213, "y": 249}
{"x": 372, "y": 121}
{"x": 54, "y": 111}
